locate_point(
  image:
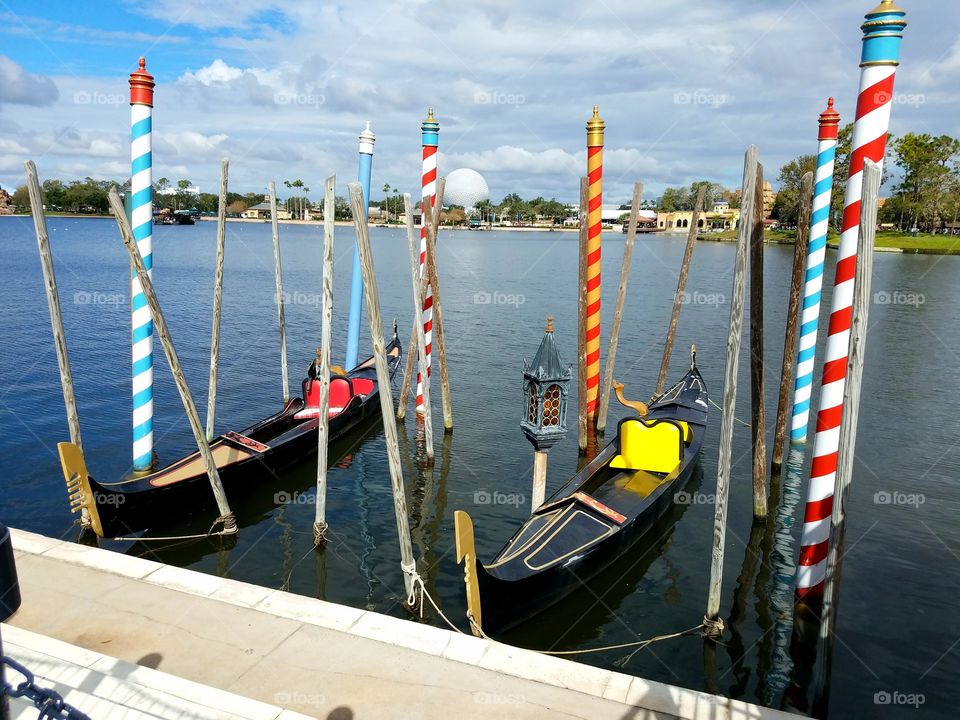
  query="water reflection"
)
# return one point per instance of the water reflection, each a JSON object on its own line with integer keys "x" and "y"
{"x": 783, "y": 562}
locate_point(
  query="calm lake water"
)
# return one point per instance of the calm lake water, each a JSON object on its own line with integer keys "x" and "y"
{"x": 898, "y": 632}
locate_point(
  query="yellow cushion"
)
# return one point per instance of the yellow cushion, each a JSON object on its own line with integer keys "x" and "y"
{"x": 642, "y": 483}
{"x": 654, "y": 448}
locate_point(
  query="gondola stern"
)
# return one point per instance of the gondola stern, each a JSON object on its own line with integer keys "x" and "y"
{"x": 79, "y": 490}
{"x": 467, "y": 554}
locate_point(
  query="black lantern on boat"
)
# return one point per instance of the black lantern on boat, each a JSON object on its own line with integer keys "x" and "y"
{"x": 546, "y": 383}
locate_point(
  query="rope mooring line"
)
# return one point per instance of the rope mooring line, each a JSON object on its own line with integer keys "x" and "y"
{"x": 173, "y": 538}
{"x": 418, "y": 582}
{"x": 742, "y": 422}
{"x": 639, "y": 644}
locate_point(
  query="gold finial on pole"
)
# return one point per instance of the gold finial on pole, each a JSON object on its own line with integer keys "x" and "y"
{"x": 595, "y": 126}
{"x": 549, "y": 323}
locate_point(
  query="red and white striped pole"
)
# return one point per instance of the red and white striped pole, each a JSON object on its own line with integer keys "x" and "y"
{"x": 882, "y": 35}
{"x": 430, "y": 131}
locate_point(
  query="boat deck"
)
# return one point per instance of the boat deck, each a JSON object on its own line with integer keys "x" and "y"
{"x": 291, "y": 652}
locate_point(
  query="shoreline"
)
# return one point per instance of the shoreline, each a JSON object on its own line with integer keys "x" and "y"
{"x": 906, "y": 245}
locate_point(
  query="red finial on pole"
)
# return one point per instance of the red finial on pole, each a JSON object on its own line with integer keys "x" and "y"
{"x": 829, "y": 122}
{"x": 141, "y": 85}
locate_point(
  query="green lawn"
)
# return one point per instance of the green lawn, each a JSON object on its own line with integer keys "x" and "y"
{"x": 922, "y": 243}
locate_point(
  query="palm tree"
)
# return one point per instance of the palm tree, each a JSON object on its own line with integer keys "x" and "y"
{"x": 298, "y": 186}
{"x": 181, "y": 196}
{"x": 386, "y": 203}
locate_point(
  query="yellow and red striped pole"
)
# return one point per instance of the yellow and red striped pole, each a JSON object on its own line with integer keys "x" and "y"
{"x": 594, "y": 200}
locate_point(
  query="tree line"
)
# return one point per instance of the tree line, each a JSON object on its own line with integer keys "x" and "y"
{"x": 926, "y": 198}
{"x": 90, "y": 196}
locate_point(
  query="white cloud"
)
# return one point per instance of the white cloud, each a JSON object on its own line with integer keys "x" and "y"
{"x": 17, "y": 86}
{"x": 285, "y": 89}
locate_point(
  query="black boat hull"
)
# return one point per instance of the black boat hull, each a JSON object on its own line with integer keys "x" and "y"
{"x": 136, "y": 504}
{"x": 594, "y": 519}
{"x": 510, "y": 603}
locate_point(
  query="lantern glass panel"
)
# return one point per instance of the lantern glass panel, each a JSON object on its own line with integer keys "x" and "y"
{"x": 532, "y": 407}
{"x": 551, "y": 406}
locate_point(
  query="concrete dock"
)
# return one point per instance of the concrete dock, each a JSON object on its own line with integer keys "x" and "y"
{"x": 160, "y": 641}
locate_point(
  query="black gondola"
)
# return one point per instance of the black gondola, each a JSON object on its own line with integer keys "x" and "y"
{"x": 182, "y": 489}
{"x": 596, "y": 517}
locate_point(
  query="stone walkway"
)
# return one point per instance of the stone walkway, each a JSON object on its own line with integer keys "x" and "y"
{"x": 305, "y": 655}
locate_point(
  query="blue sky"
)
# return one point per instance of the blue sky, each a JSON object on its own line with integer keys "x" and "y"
{"x": 282, "y": 89}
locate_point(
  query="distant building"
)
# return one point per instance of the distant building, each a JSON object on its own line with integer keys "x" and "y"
{"x": 173, "y": 190}
{"x": 716, "y": 220}
{"x": 610, "y": 214}
{"x": 261, "y": 211}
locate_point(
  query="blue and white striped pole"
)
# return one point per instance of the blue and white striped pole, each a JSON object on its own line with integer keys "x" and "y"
{"x": 367, "y": 138}
{"x": 813, "y": 282}
{"x": 141, "y": 221}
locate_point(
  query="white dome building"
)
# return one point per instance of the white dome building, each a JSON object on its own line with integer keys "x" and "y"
{"x": 466, "y": 188}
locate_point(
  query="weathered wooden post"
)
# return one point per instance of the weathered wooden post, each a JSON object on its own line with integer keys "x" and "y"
{"x": 582, "y": 403}
{"x": 56, "y": 318}
{"x": 421, "y": 342}
{"x": 160, "y": 324}
{"x": 278, "y": 279}
{"x": 53, "y": 302}
{"x": 371, "y": 293}
{"x": 681, "y": 289}
{"x": 545, "y": 389}
{"x": 618, "y": 310}
{"x": 713, "y": 623}
{"x": 856, "y": 350}
{"x": 758, "y": 425}
{"x": 323, "y": 355}
{"x": 882, "y": 35}
{"x": 408, "y": 371}
{"x": 426, "y": 256}
{"x": 793, "y": 315}
{"x": 217, "y": 301}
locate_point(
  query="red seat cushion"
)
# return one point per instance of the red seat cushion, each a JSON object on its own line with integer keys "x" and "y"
{"x": 339, "y": 393}
{"x": 363, "y": 386}
{"x": 339, "y": 398}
